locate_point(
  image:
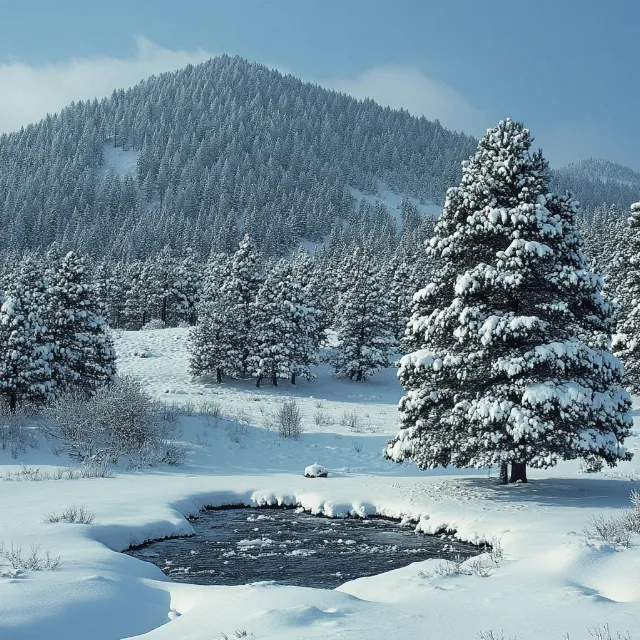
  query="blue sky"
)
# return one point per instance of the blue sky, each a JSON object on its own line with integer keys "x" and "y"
{"x": 568, "y": 68}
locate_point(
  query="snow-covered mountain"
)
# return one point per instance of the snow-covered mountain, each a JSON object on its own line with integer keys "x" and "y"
{"x": 197, "y": 156}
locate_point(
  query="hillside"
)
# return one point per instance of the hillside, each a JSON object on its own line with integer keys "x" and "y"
{"x": 195, "y": 157}
{"x": 213, "y": 148}
{"x": 598, "y": 181}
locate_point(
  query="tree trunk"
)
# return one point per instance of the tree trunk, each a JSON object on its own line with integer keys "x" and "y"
{"x": 258, "y": 381}
{"x": 518, "y": 472}
{"x": 504, "y": 473}
{"x": 293, "y": 378}
{"x": 13, "y": 402}
{"x": 359, "y": 376}
{"x": 218, "y": 375}
{"x": 274, "y": 379}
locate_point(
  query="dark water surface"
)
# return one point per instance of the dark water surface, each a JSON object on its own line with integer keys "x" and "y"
{"x": 239, "y": 546}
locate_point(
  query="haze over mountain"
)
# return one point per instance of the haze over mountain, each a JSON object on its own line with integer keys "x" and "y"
{"x": 196, "y": 157}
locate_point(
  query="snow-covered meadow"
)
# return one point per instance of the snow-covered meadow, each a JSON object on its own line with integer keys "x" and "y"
{"x": 552, "y": 580}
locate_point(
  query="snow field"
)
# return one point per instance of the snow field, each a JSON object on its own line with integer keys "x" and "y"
{"x": 552, "y": 579}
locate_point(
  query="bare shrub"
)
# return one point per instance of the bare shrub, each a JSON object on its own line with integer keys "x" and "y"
{"x": 120, "y": 419}
{"x": 15, "y": 435}
{"x": 236, "y": 431}
{"x": 357, "y": 446}
{"x": 288, "y": 417}
{"x": 188, "y": 407}
{"x": 352, "y": 421}
{"x": 242, "y": 415}
{"x": 318, "y": 404}
{"x": 631, "y": 517}
{"x": 604, "y": 633}
{"x": 482, "y": 565}
{"x": 598, "y": 633}
{"x": 18, "y": 562}
{"x": 321, "y": 418}
{"x": 72, "y": 515}
{"x": 618, "y": 530}
{"x": 33, "y": 474}
{"x": 210, "y": 409}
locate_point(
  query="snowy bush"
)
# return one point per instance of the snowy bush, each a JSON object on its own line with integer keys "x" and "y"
{"x": 617, "y": 531}
{"x": 153, "y": 325}
{"x": 321, "y": 418}
{"x": 119, "y": 420}
{"x": 72, "y": 515}
{"x": 33, "y": 474}
{"x": 15, "y": 435}
{"x": 352, "y": 421}
{"x": 13, "y": 561}
{"x": 596, "y": 633}
{"x": 289, "y": 419}
{"x": 483, "y": 565}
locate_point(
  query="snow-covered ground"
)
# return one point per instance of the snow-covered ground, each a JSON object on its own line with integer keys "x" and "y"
{"x": 118, "y": 161}
{"x": 552, "y": 579}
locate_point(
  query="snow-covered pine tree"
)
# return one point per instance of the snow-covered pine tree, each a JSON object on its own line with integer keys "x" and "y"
{"x": 221, "y": 342}
{"x": 25, "y": 347}
{"x": 240, "y": 290}
{"x": 364, "y": 339}
{"x": 272, "y": 351}
{"x": 186, "y": 288}
{"x": 312, "y": 316}
{"x": 82, "y": 349}
{"x": 513, "y": 363}
{"x": 627, "y": 341}
{"x": 400, "y": 295}
{"x": 209, "y": 340}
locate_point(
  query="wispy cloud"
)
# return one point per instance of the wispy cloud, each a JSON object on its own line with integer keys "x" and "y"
{"x": 29, "y": 92}
{"x": 411, "y": 89}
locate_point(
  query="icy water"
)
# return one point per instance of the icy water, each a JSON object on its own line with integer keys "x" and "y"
{"x": 239, "y": 546}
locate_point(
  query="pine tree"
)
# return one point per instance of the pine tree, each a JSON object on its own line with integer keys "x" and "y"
{"x": 25, "y": 345}
{"x": 186, "y": 288}
{"x": 364, "y": 341}
{"x": 82, "y": 349}
{"x": 627, "y": 342}
{"x": 240, "y": 290}
{"x": 222, "y": 341}
{"x": 513, "y": 334}
{"x": 400, "y": 295}
{"x": 272, "y": 351}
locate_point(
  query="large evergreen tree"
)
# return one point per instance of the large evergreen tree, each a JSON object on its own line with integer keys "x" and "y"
{"x": 512, "y": 336}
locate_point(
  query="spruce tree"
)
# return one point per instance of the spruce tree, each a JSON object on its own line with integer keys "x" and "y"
{"x": 25, "y": 344}
{"x": 400, "y": 294}
{"x": 627, "y": 341}
{"x": 512, "y": 336}
{"x": 82, "y": 349}
{"x": 364, "y": 340}
{"x": 240, "y": 290}
{"x": 211, "y": 340}
{"x": 272, "y": 352}
{"x": 186, "y": 288}
{"x": 223, "y": 339}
